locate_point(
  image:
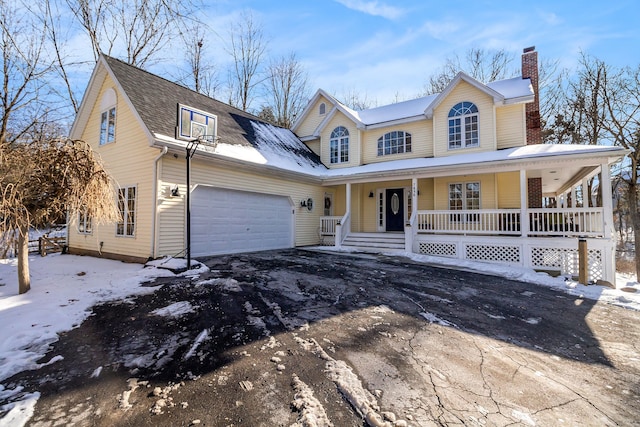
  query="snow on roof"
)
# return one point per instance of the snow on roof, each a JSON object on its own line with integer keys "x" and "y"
{"x": 511, "y": 89}
{"x": 517, "y": 153}
{"x": 272, "y": 146}
{"x": 400, "y": 110}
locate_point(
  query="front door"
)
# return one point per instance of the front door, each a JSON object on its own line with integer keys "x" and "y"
{"x": 394, "y": 209}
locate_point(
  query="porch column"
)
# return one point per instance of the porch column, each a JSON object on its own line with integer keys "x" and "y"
{"x": 607, "y": 200}
{"x": 348, "y": 204}
{"x": 586, "y": 196}
{"x": 607, "y": 207}
{"x": 524, "y": 211}
{"x": 414, "y": 197}
{"x": 573, "y": 197}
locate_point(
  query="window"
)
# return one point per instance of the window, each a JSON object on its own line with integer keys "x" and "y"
{"x": 395, "y": 142}
{"x": 322, "y": 109}
{"x": 463, "y": 126}
{"x": 339, "y": 145}
{"x": 84, "y": 223}
{"x": 108, "y": 126}
{"x": 127, "y": 208}
{"x": 464, "y": 196}
{"x": 194, "y": 123}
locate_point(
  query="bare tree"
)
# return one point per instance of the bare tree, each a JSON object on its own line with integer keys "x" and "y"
{"x": 579, "y": 114}
{"x": 247, "y": 48}
{"x": 25, "y": 72}
{"x": 482, "y": 65}
{"x": 356, "y": 100}
{"x": 41, "y": 181}
{"x": 143, "y": 27}
{"x": 201, "y": 75}
{"x": 287, "y": 89}
{"x": 621, "y": 96}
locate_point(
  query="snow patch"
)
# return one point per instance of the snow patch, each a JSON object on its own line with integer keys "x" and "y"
{"x": 20, "y": 412}
{"x": 176, "y": 309}
{"x": 312, "y": 413}
{"x": 432, "y": 318}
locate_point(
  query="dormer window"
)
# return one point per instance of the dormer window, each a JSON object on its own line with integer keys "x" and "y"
{"x": 193, "y": 123}
{"x": 395, "y": 142}
{"x": 322, "y": 109}
{"x": 463, "y": 126}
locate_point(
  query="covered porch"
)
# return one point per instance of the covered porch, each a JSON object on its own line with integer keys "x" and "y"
{"x": 530, "y": 214}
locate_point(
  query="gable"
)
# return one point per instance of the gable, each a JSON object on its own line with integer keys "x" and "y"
{"x": 464, "y": 92}
{"x": 313, "y": 118}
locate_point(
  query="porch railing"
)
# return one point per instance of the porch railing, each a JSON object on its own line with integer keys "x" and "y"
{"x": 328, "y": 225}
{"x": 484, "y": 221}
{"x": 588, "y": 222}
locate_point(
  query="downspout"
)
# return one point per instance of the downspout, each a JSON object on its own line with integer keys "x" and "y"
{"x": 154, "y": 213}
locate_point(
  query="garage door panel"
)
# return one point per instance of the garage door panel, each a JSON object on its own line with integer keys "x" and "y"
{"x": 230, "y": 221}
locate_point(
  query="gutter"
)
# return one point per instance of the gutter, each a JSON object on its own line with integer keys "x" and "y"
{"x": 154, "y": 213}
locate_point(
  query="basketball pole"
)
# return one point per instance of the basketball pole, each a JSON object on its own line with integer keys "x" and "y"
{"x": 191, "y": 149}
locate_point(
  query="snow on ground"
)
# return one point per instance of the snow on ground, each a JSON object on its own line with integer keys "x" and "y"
{"x": 63, "y": 289}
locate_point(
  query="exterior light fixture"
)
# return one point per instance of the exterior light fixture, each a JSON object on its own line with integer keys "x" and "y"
{"x": 371, "y": 194}
{"x": 307, "y": 203}
{"x": 175, "y": 191}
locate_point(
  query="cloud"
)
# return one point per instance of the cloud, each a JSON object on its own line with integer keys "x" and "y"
{"x": 373, "y": 8}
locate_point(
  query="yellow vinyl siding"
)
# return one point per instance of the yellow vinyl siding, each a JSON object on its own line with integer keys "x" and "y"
{"x": 464, "y": 92}
{"x": 171, "y": 216}
{"x": 129, "y": 160}
{"x": 510, "y": 127}
{"x": 354, "y": 142}
{"x": 314, "y": 146}
{"x": 508, "y": 190}
{"x": 314, "y": 118}
{"x": 488, "y": 197}
{"x": 421, "y": 142}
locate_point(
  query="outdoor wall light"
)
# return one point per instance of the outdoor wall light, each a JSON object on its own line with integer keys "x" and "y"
{"x": 175, "y": 191}
{"x": 371, "y": 194}
{"x": 307, "y": 203}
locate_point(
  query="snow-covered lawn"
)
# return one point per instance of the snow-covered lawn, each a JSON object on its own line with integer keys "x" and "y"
{"x": 65, "y": 287}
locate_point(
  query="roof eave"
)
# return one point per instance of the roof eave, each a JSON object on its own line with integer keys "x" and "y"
{"x": 179, "y": 147}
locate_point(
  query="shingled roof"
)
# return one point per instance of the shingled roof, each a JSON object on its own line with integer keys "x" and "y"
{"x": 156, "y": 100}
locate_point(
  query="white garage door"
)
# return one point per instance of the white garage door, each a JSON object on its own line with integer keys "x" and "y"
{"x": 229, "y": 221}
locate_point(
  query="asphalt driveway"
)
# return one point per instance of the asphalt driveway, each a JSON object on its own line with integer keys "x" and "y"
{"x": 304, "y": 338}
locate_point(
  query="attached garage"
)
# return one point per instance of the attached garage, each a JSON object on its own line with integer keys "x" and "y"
{"x": 230, "y": 221}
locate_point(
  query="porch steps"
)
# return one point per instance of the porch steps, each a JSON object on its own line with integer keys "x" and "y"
{"x": 374, "y": 241}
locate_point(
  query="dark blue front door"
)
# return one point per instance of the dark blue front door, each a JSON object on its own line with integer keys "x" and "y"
{"x": 395, "y": 209}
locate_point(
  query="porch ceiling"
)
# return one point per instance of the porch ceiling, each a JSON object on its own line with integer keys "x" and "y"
{"x": 559, "y": 179}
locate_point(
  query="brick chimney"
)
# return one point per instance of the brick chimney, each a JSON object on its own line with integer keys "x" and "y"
{"x": 530, "y": 71}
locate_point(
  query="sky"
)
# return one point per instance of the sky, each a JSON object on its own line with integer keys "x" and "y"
{"x": 387, "y": 49}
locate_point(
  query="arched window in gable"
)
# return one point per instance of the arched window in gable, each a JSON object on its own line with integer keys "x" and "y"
{"x": 339, "y": 145}
{"x": 322, "y": 109}
{"x": 395, "y": 142}
{"x": 463, "y": 126}
{"x": 108, "y": 117}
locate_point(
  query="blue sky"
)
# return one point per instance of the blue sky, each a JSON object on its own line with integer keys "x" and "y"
{"x": 384, "y": 48}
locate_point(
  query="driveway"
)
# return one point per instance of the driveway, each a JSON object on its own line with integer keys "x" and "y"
{"x": 305, "y": 338}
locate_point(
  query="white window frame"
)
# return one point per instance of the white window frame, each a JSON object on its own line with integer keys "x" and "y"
{"x": 465, "y": 201}
{"x": 340, "y": 140}
{"x": 126, "y": 227}
{"x": 108, "y": 126}
{"x": 84, "y": 225}
{"x": 463, "y": 117}
{"x": 193, "y": 129}
{"x": 394, "y": 142}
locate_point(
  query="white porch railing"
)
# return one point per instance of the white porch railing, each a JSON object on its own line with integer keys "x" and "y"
{"x": 588, "y": 222}
{"x": 328, "y": 225}
{"x": 483, "y": 221}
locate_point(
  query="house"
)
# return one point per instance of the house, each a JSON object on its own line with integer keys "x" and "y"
{"x": 459, "y": 174}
